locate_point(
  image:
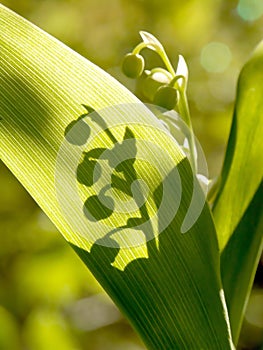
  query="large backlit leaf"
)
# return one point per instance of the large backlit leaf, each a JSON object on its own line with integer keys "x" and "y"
{"x": 169, "y": 288}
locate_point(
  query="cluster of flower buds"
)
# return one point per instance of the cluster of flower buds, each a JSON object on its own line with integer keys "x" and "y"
{"x": 164, "y": 87}
{"x": 161, "y": 86}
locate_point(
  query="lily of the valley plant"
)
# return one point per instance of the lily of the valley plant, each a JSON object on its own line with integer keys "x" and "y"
{"x": 102, "y": 172}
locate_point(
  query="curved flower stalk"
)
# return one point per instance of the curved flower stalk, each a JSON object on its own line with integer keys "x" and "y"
{"x": 173, "y": 84}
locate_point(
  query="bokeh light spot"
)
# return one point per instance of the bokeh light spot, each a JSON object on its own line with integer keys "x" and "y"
{"x": 250, "y": 10}
{"x": 215, "y": 57}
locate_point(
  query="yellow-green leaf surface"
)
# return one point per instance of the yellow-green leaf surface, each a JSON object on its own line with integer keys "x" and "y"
{"x": 243, "y": 166}
{"x": 168, "y": 285}
{"x": 239, "y": 261}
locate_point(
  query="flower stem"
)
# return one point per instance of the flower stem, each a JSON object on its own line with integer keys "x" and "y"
{"x": 184, "y": 112}
{"x": 183, "y": 107}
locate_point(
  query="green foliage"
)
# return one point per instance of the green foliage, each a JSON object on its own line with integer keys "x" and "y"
{"x": 167, "y": 289}
{"x": 239, "y": 233}
{"x": 244, "y": 151}
{"x": 239, "y": 261}
{"x": 146, "y": 282}
{"x": 239, "y": 223}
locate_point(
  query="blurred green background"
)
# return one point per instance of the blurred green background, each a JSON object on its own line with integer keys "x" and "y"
{"x": 48, "y": 298}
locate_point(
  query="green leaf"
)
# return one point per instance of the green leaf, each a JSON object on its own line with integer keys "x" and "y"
{"x": 238, "y": 217}
{"x": 61, "y": 121}
{"x": 243, "y": 165}
{"x": 239, "y": 261}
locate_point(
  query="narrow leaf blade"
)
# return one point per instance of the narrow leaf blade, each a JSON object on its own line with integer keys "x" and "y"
{"x": 243, "y": 166}
{"x": 239, "y": 261}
